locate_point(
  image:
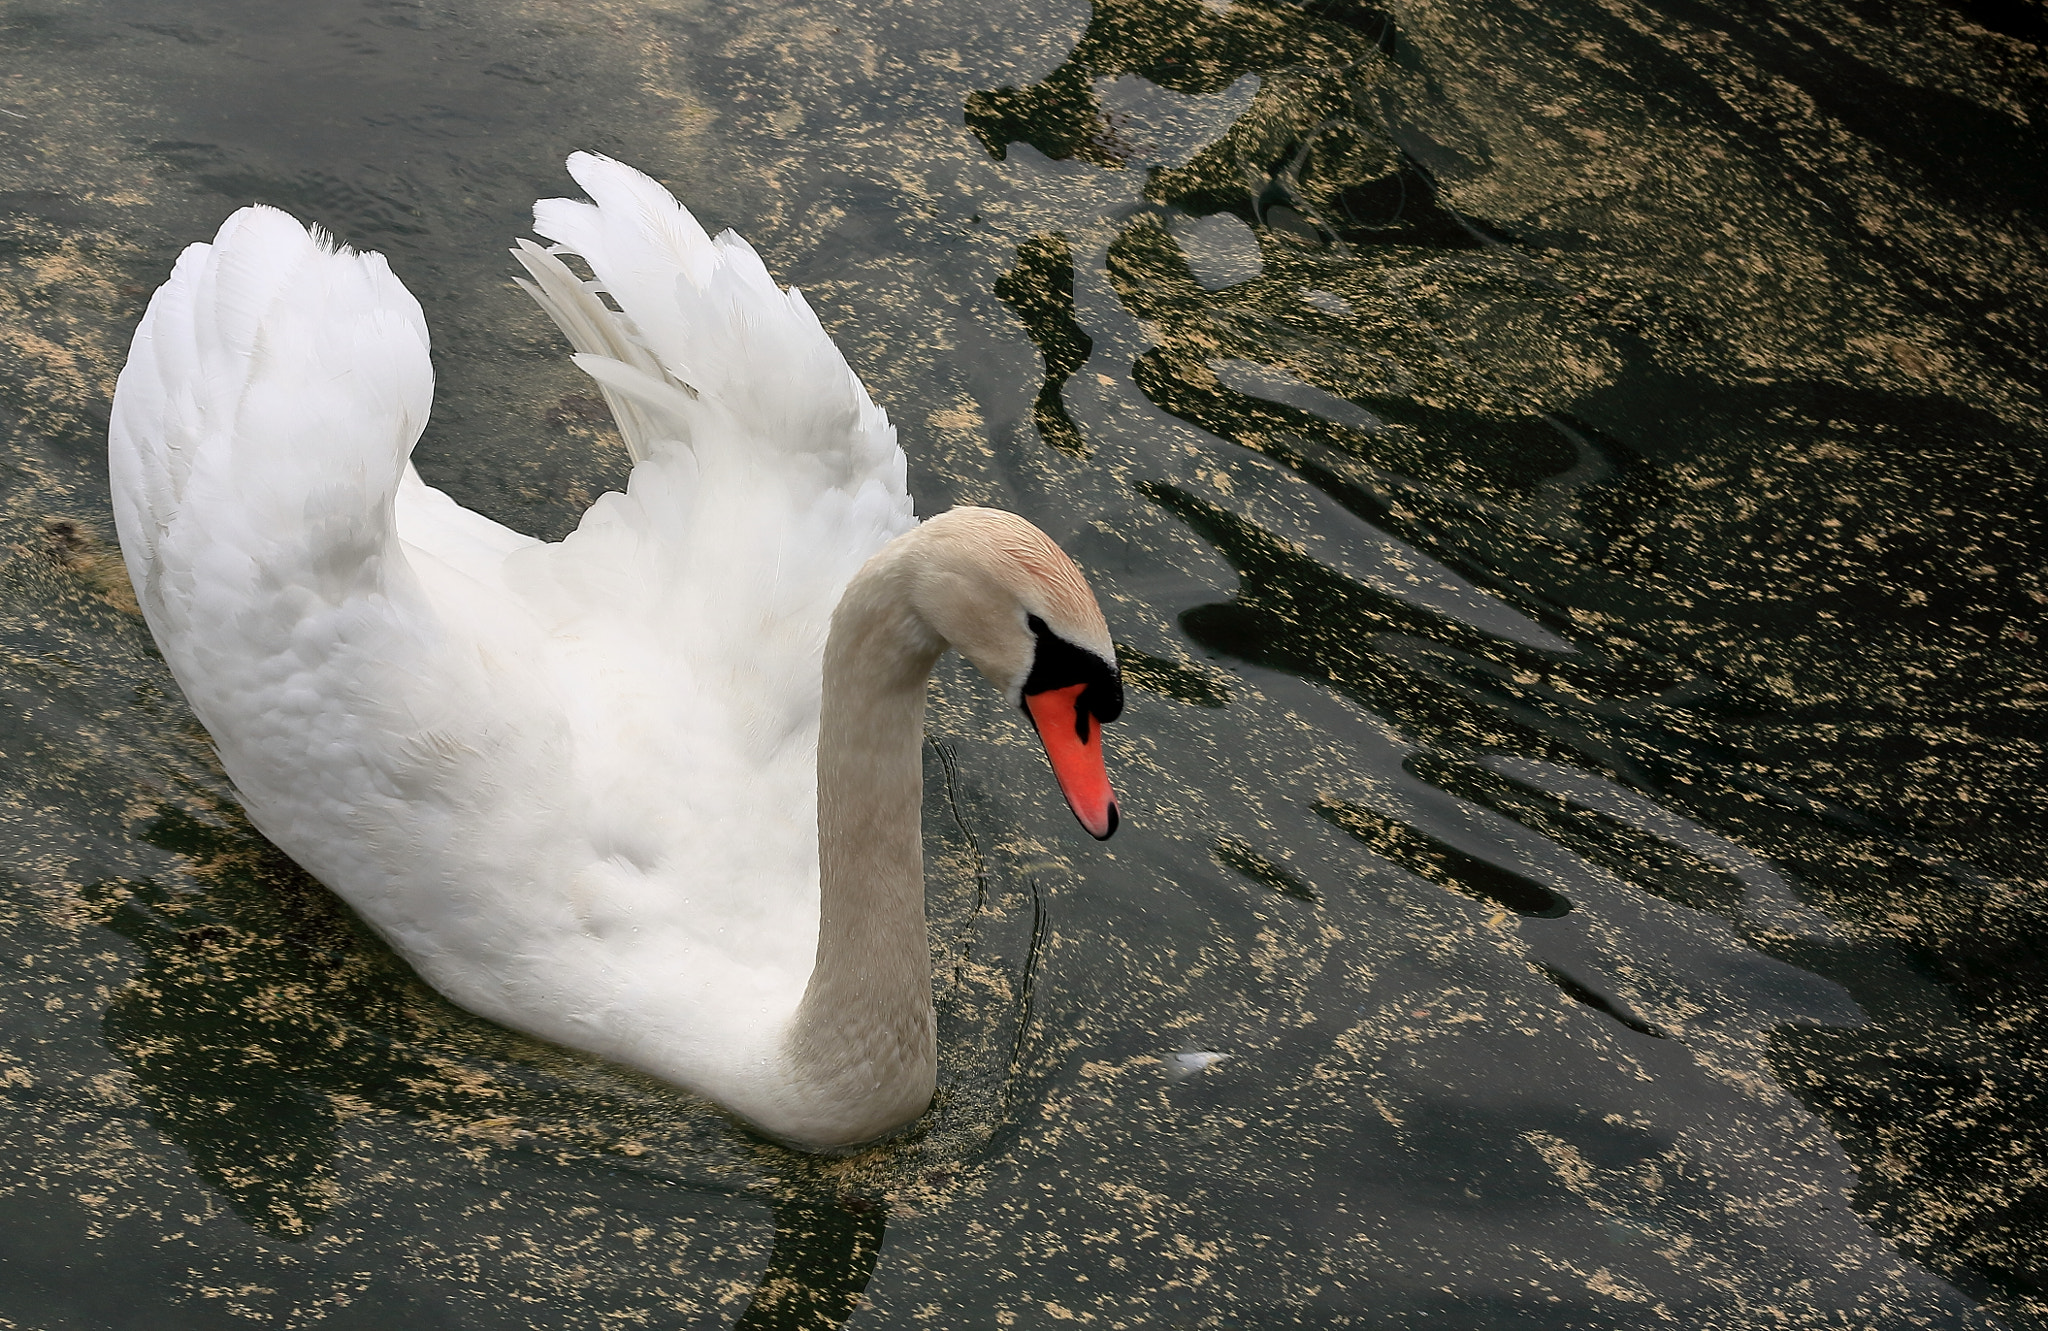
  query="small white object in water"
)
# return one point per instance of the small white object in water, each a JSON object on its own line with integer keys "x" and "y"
{"x": 1188, "y": 1062}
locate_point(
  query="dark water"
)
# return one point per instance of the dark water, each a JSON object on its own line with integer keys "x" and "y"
{"x": 1564, "y": 479}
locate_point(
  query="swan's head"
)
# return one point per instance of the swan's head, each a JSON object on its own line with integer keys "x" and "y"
{"x": 1006, "y": 598}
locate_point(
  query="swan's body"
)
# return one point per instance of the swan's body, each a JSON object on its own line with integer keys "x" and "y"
{"x": 578, "y": 786}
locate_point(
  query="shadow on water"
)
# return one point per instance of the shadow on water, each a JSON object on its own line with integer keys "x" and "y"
{"x": 258, "y": 1004}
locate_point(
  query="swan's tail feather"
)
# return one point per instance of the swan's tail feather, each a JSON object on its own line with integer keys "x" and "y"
{"x": 272, "y": 395}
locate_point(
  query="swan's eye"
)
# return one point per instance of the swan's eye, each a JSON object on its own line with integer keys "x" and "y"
{"x": 1059, "y": 664}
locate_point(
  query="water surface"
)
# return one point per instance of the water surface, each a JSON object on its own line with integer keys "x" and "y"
{"x": 1564, "y": 481}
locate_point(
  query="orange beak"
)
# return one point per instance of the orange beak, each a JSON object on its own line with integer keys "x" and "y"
{"x": 1073, "y": 745}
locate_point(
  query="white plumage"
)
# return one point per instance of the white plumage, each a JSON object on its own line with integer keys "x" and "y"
{"x": 375, "y": 662}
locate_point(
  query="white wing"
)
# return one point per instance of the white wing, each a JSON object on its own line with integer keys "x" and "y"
{"x": 278, "y": 371}
{"x": 257, "y": 453}
{"x": 764, "y": 475}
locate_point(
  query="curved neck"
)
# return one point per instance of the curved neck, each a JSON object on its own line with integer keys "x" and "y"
{"x": 861, "y": 1051}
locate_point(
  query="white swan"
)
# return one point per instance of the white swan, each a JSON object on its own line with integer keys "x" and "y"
{"x": 651, "y": 792}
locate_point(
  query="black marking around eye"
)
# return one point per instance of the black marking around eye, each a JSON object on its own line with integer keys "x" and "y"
{"x": 1058, "y": 664}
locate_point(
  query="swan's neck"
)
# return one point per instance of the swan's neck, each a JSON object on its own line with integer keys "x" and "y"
{"x": 861, "y": 1053}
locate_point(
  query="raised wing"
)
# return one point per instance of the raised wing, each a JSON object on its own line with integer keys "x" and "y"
{"x": 262, "y": 422}
{"x": 754, "y": 367}
{"x": 257, "y": 453}
{"x": 765, "y": 475}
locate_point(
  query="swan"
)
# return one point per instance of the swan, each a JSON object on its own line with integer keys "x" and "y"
{"x": 651, "y": 792}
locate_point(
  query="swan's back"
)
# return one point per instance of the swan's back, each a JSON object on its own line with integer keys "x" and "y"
{"x": 574, "y": 783}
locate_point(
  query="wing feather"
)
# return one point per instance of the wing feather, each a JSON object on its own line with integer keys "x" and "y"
{"x": 765, "y": 476}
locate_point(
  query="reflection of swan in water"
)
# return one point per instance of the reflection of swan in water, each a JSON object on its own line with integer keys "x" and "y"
{"x": 825, "y": 1252}
{"x": 652, "y": 791}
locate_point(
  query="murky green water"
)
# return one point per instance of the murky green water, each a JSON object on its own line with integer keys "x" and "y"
{"x": 1564, "y": 479}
